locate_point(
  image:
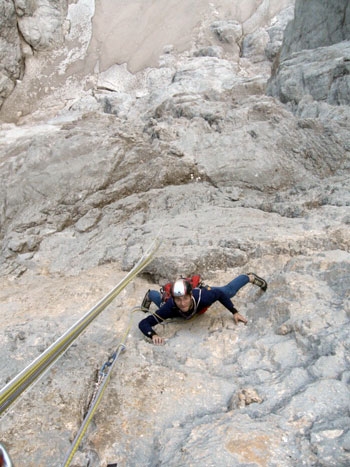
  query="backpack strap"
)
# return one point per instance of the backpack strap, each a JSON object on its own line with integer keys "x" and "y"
{"x": 165, "y": 292}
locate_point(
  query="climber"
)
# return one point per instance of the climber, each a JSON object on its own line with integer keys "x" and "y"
{"x": 185, "y": 302}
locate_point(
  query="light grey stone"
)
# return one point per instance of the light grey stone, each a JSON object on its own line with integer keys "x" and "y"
{"x": 297, "y": 76}
{"x": 316, "y": 24}
{"x": 228, "y": 31}
{"x": 319, "y": 29}
{"x": 11, "y": 61}
{"x": 101, "y": 153}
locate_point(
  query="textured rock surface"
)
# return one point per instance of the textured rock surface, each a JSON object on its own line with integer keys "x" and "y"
{"x": 179, "y": 141}
{"x": 314, "y": 57}
{"x": 11, "y": 63}
{"x": 317, "y": 24}
{"x": 302, "y": 77}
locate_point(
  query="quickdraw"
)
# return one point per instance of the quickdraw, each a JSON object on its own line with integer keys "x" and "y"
{"x": 103, "y": 378}
{"x": 102, "y": 374}
{"x": 32, "y": 372}
{"x": 23, "y": 380}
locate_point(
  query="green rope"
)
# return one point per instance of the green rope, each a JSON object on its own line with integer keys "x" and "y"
{"x": 98, "y": 396}
{"x": 23, "y": 380}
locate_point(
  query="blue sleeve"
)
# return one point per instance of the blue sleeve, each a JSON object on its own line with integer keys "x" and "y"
{"x": 210, "y": 296}
{"x": 165, "y": 312}
{"x": 226, "y": 302}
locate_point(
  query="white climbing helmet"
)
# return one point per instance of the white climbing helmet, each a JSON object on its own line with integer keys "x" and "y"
{"x": 180, "y": 288}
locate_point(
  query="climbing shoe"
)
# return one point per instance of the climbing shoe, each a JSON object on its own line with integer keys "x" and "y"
{"x": 259, "y": 281}
{"x": 146, "y": 302}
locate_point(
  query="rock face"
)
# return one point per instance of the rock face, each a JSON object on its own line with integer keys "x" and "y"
{"x": 300, "y": 78}
{"x": 316, "y": 24}
{"x": 227, "y": 138}
{"x": 11, "y": 62}
{"x": 314, "y": 58}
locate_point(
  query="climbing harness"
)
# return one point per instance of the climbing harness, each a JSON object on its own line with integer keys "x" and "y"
{"x": 25, "y": 378}
{"x": 102, "y": 381}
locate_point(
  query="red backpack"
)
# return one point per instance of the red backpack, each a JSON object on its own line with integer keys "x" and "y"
{"x": 195, "y": 281}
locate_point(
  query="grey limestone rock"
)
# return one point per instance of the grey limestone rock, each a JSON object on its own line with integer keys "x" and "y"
{"x": 11, "y": 60}
{"x": 316, "y": 24}
{"x": 319, "y": 34}
{"x": 100, "y": 155}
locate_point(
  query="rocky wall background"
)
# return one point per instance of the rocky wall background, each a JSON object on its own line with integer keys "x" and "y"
{"x": 224, "y": 130}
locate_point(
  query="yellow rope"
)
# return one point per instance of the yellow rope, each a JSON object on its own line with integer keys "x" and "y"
{"x": 96, "y": 401}
{"x": 98, "y": 397}
{"x": 23, "y": 380}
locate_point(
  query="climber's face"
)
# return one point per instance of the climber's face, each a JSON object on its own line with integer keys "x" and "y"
{"x": 184, "y": 303}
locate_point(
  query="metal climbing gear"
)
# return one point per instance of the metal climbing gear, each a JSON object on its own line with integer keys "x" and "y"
{"x": 103, "y": 378}
{"x": 24, "y": 379}
{"x": 5, "y": 460}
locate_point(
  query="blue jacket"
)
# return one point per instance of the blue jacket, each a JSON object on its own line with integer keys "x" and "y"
{"x": 202, "y": 300}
